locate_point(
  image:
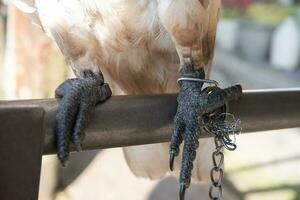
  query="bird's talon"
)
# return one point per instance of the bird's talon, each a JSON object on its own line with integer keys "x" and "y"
{"x": 182, "y": 191}
{"x": 195, "y": 109}
{"x": 78, "y": 147}
{"x": 64, "y": 163}
{"x": 78, "y": 99}
{"x": 171, "y": 161}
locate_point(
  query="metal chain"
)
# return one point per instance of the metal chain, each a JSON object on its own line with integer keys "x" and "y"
{"x": 217, "y": 173}
{"x": 224, "y": 126}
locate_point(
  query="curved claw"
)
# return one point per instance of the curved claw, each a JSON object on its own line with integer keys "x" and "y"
{"x": 182, "y": 191}
{"x": 176, "y": 140}
{"x": 78, "y": 147}
{"x": 64, "y": 163}
{"x": 171, "y": 161}
{"x": 78, "y": 98}
{"x": 193, "y": 103}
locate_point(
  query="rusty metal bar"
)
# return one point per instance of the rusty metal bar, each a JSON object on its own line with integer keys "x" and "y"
{"x": 21, "y": 139}
{"x": 135, "y": 120}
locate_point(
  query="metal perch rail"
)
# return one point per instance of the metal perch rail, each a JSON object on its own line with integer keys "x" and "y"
{"x": 135, "y": 120}
{"x": 26, "y": 129}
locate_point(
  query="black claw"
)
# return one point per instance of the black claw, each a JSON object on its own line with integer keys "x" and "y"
{"x": 193, "y": 103}
{"x": 176, "y": 140}
{"x": 171, "y": 161}
{"x": 64, "y": 163}
{"x": 79, "y": 97}
{"x": 182, "y": 191}
{"x": 78, "y": 147}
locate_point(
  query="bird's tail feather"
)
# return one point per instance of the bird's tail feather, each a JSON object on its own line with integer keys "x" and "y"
{"x": 152, "y": 161}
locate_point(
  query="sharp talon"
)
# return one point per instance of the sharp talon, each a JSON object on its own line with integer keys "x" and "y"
{"x": 193, "y": 103}
{"x": 78, "y": 147}
{"x": 182, "y": 191}
{"x": 171, "y": 161}
{"x": 78, "y": 99}
{"x": 64, "y": 163}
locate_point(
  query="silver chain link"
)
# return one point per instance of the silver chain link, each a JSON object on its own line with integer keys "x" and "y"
{"x": 224, "y": 126}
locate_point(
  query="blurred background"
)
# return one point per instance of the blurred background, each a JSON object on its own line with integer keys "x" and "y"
{"x": 258, "y": 46}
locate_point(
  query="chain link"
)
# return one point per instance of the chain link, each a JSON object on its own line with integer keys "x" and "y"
{"x": 216, "y": 173}
{"x": 222, "y": 127}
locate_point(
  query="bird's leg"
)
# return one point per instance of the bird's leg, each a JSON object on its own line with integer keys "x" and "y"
{"x": 78, "y": 98}
{"x": 193, "y": 103}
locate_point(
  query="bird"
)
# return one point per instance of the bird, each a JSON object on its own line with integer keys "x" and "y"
{"x": 132, "y": 47}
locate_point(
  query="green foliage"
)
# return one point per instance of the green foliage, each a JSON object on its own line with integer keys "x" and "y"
{"x": 269, "y": 14}
{"x": 231, "y": 13}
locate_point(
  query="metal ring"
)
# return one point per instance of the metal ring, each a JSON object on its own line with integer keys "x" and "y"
{"x": 219, "y": 192}
{"x": 216, "y": 176}
{"x": 220, "y": 155}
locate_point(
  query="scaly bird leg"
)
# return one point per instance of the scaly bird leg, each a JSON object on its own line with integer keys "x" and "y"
{"x": 78, "y": 98}
{"x": 193, "y": 103}
{"x": 190, "y": 103}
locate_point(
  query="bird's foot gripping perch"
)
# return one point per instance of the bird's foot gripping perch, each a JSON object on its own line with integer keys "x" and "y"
{"x": 78, "y": 98}
{"x": 195, "y": 107}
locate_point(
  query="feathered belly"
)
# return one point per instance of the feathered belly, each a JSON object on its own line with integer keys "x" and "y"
{"x": 141, "y": 71}
{"x": 125, "y": 39}
{"x": 138, "y": 53}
